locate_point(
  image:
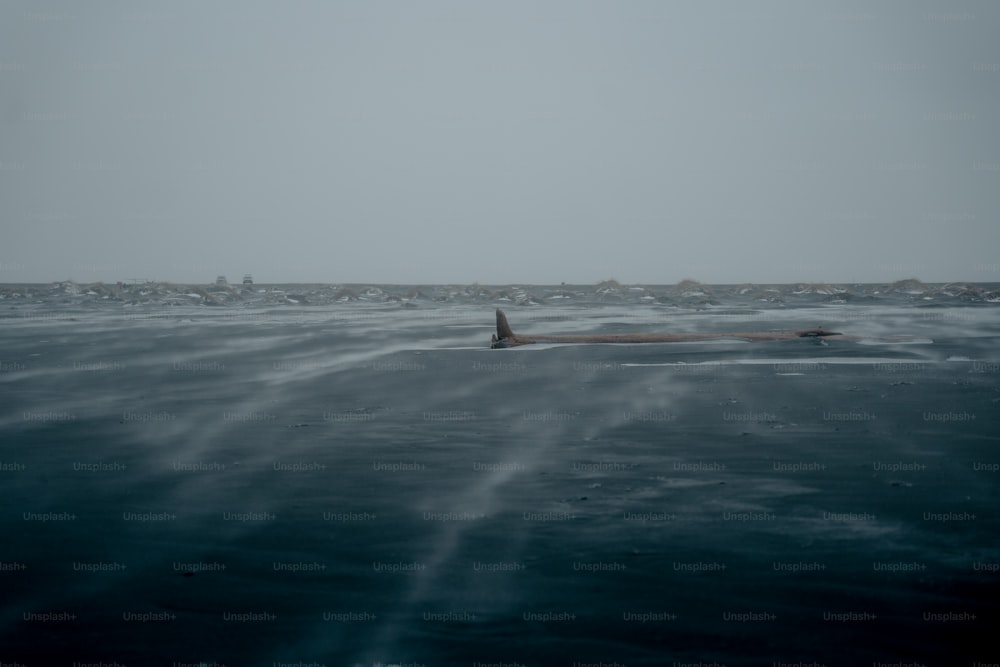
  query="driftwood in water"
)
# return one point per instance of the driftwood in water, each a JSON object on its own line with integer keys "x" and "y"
{"x": 505, "y": 337}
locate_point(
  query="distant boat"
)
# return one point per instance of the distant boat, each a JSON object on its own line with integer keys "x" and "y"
{"x": 247, "y": 279}
{"x": 221, "y": 280}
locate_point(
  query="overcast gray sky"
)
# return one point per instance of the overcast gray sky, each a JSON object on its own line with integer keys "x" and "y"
{"x": 431, "y": 141}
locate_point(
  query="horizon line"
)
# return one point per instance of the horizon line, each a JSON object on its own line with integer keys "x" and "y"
{"x": 146, "y": 281}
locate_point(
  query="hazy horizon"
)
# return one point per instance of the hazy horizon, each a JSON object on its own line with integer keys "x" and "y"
{"x": 238, "y": 283}
{"x": 446, "y": 142}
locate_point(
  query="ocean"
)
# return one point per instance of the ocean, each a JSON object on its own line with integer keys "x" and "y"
{"x": 349, "y": 475}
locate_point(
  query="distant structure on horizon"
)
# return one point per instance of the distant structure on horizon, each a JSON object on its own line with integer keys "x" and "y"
{"x": 247, "y": 279}
{"x": 221, "y": 280}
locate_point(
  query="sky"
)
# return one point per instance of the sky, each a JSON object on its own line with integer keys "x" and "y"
{"x": 538, "y": 141}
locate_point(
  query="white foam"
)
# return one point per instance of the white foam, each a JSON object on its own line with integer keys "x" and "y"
{"x": 912, "y": 341}
{"x": 840, "y": 361}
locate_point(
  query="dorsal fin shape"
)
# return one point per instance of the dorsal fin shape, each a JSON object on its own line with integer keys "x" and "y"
{"x": 503, "y": 329}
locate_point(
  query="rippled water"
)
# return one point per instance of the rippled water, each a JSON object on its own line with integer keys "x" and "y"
{"x": 366, "y": 482}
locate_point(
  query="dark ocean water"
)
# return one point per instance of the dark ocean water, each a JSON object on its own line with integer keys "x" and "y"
{"x": 350, "y": 476}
